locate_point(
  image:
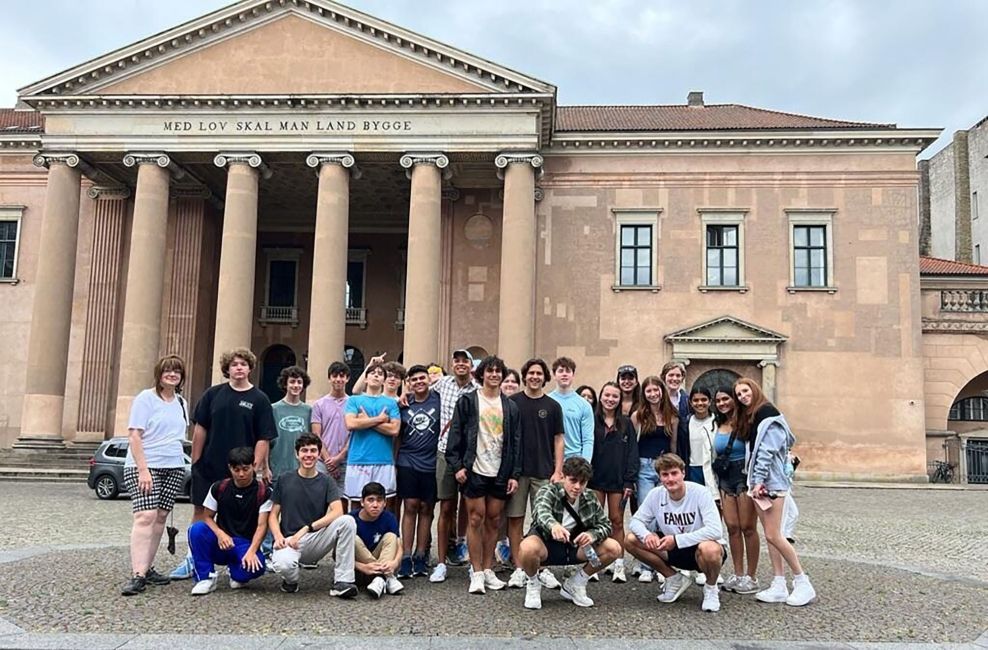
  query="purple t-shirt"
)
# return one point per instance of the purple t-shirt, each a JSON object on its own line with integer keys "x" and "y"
{"x": 328, "y": 413}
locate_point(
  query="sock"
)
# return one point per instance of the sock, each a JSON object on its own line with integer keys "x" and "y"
{"x": 581, "y": 578}
{"x": 619, "y": 562}
{"x": 779, "y": 580}
{"x": 801, "y": 578}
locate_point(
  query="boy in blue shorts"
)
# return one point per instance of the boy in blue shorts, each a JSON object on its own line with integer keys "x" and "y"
{"x": 373, "y": 420}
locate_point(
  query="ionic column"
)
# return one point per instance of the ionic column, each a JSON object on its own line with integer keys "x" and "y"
{"x": 422, "y": 277}
{"x": 51, "y": 314}
{"x": 235, "y": 290}
{"x": 516, "y": 306}
{"x": 327, "y": 319}
{"x": 141, "y": 331}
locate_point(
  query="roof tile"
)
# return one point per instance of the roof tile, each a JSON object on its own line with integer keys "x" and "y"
{"x": 937, "y": 266}
{"x": 14, "y": 121}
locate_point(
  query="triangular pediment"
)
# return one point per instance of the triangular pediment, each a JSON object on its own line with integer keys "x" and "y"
{"x": 286, "y": 47}
{"x": 726, "y": 329}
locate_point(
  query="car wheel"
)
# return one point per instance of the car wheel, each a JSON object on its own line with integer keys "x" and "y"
{"x": 106, "y": 487}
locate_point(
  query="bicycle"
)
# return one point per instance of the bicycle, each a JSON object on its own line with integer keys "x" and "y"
{"x": 943, "y": 472}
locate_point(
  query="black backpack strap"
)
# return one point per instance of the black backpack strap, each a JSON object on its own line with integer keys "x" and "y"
{"x": 580, "y": 526}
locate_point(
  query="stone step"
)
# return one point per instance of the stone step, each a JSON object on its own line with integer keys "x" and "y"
{"x": 37, "y": 474}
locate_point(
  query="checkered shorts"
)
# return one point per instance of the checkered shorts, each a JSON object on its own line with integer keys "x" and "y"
{"x": 165, "y": 485}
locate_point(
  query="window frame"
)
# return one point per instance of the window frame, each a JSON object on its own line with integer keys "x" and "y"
{"x": 963, "y": 408}
{"x": 723, "y": 217}
{"x": 280, "y": 255}
{"x": 644, "y": 216}
{"x": 15, "y": 214}
{"x": 360, "y": 316}
{"x": 812, "y": 217}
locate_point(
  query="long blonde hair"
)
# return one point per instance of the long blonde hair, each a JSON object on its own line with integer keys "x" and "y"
{"x": 670, "y": 416}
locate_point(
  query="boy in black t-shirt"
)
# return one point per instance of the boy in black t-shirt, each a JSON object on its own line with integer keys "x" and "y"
{"x": 236, "y": 521}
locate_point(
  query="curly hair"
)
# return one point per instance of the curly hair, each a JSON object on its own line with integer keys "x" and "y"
{"x": 237, "y": 353}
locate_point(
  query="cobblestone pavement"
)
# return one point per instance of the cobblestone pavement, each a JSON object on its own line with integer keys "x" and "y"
{"x": 889, "y": 565}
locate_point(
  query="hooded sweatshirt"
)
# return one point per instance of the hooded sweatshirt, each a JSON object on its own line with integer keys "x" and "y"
{"x": 768, "y": 451}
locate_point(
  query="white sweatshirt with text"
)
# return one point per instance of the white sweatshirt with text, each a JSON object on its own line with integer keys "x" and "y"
{"x": 692, "y": 520}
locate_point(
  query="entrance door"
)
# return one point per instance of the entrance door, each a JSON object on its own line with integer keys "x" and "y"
{"x": 275, "y": 359}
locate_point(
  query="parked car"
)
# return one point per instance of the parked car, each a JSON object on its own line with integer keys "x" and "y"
{"x": 106, "y": 469}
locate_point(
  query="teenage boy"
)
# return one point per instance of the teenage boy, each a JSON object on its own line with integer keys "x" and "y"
{"x": 578, "y": 424}
{"x": 373, "y": 420}
{"x": 234, "y": 526}
{"x": 567, "y": 520}
{"x": 292, "y": 417}
{"x": 329, "y": 424}
{"x": 541, "y": 420}
{"x": 307, "y": 522}
{"x": 483, "y": 451}
{"x": 416, "y": 468}
{"x": 450, "y": 389}
{"x": 377, "y": 548}
{"x": 228, "y": 415}
{"x": 677, "y": 526}
{"x": 394, "y": 377}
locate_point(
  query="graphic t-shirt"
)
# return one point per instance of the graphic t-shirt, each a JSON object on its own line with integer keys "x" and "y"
{"x": 541, "y": 421}
{"x": 371, "y": 532}
{"x": 237, "y": 508}
{"x": 303, "y": 500}
{"x": 370, "y": 446}
{"x": 292, "y": 421}
{"x": 327, "y": 412}
{"x": 164, "y": 425}
{"x": 420, "y": 433}
{"x": 490, "y": 440}
{"x": 231, "y": 418}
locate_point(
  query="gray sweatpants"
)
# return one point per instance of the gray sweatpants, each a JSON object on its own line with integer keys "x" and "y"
{"x": 337, "y": 538}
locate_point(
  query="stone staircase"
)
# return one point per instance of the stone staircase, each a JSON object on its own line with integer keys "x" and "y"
{"x": 68, "y": 464}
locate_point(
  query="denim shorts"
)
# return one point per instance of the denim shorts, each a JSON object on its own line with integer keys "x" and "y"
{"x": 735, "y": 483}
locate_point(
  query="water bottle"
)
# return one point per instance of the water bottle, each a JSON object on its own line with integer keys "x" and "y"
{"x": 592, "y": 556}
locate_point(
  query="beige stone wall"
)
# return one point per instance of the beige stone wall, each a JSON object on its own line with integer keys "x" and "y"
{"x": 839, "y": 345}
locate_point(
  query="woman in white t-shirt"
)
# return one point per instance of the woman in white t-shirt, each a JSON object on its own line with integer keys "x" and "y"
{"x": 155, "y": 467}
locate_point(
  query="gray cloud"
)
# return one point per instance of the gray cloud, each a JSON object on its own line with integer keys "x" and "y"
{"x": 913, "y": 62}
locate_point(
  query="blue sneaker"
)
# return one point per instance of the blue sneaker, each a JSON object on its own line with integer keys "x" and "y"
{"x": 183, "y": 571}
{"x": 420, "y": 565}
{"x": 405, "y": 569}
{"x": 462, "y": 554}
{"x": 502, "y": 551}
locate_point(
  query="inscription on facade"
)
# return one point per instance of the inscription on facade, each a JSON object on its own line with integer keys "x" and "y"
{"x": 287, "y": 126}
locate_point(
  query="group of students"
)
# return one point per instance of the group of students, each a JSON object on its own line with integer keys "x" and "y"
{"x": 278, "y": 487}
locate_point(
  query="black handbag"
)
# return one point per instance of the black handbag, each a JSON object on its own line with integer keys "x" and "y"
{"x": 722, "y": 463}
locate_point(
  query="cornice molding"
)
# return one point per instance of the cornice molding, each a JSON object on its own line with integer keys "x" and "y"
{"x": 250, "y": 158}
{"x": 949, "y": 326}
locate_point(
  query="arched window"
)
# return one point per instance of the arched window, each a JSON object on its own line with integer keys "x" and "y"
{"x": 274, "y": 359}
{"x": 970, "y": 409}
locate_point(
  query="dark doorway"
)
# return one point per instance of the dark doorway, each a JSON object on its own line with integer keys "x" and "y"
{"x": 716, "y": 379}
{"x": 355, "y": 359}
{"x": 275, "y": 358}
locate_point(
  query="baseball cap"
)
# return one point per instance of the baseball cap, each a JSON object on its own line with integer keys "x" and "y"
{"x": 627, "y": 370}
{"x": 463, "y": 353}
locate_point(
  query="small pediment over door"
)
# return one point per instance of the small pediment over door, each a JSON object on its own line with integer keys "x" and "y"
{"x": 726, "y": 338}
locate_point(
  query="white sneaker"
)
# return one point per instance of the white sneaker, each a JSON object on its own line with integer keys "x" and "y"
{"x": 237, "y": 585}
{"x": 393, "y": 585}
{"x": 747, "y": 585}
{"x": 674, "y": 587}
{"x": 732, "y": 584}
{"x": 438, "y": 573}
{"x": 619, "y": 575}
{"x": 711, "y": 599}
{"x": 377, "y": 587}
{"x": 533, "y": 593}
{"x": 646, "y": 575}
{"x": 595, "y": 577}
{"x": 776, "y": 593}
{"x": 578, "y": 594}
{"x": 636, "y": 567}
{"x": 802, "y": 592}
{"x": 518, "y": 579}
{"x": 548, "y": 579}
{"x": 206, "y": 586}
{"x": 491, "y": 581}
{"x": 477, "y": 583}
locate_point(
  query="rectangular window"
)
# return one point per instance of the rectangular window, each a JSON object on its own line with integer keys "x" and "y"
{"x": 636, "y": 256}
{"x": 355, "y": 284}
{"x": 281, "y": 283}
{"x": 281, "y": 288}
{"x": 10, "y": 227}
{"x": 810, "y": 256}
{"x": 722, "y": 256}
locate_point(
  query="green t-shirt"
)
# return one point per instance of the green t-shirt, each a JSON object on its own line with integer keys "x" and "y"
{"x": 292, "y": 421}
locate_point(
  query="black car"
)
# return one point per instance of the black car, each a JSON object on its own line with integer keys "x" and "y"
{"x": 106, "y": 469}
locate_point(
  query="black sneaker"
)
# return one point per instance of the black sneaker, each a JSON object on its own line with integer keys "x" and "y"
{"x": 134, "y": 586}
{"x": 343, "y": 590}
{"x": 289, "y": 587}
{"x": 156, "y": 579}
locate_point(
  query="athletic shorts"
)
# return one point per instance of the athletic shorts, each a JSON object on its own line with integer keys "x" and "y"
{"x": 201, "y": 483}
{"x": 560, "y": 553}
{"x": 447, "y": 488}
{"x": 528, "y": 487}
{"x": 414, "y": 484}
{"x": 478, "y": 486}
{"x": 357, "y": 476}
{"x": 165, "y": 486}
{"x": 685, "y": 558}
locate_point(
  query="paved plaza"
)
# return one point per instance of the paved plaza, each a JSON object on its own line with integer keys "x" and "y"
{"x": 890, "y": 565}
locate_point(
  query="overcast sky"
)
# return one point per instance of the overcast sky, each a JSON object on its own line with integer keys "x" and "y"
{"x": 918, "y": 63}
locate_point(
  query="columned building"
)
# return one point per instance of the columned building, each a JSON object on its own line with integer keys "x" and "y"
{"x": 314, "y": 183}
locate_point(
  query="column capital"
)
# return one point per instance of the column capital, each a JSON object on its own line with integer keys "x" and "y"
{"x": 505, "y": 158}
{"x": 251, "y": 158}
{"x": 48, "y": 158}
{"x": 769, "y": 362}
{"x": 681, "y": 360}
{"x": 344, "y": 159}
{"x": 109, "y": 192}
{"x": 436, "y": 158}
{"x": 451, "y": 193}
{"x": 159, "y": 158}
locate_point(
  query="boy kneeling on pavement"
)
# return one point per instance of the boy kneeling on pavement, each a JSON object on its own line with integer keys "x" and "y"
{"x": 569, "y": 527}
{"x": 377, "y": 548}
{"x": 677, "y": 526}
{"x": 235, "y": 525}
